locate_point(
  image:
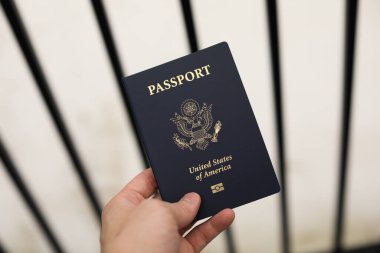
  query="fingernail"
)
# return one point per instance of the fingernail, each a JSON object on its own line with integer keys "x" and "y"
{"x": 191, "y": 197}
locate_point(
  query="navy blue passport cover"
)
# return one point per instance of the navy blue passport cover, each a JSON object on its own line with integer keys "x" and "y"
{"x": 199, "y": 131}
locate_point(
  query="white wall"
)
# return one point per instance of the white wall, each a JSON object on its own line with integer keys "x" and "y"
{"x": 147, "y": 33}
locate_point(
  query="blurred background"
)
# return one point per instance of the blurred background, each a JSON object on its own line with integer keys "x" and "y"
{"x": 312, "y": 73}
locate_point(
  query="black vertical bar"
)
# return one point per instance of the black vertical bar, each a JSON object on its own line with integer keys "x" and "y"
{"x": 349, "y": 60}
{"x": 113, "y": 55}
{"x": 28, "y": 198}
{"x": 277, "y": 86}
{"x": 231, "y": 247}
{"x": 26, "y": 46}
{"x": 193, "y": 44}
{"x": 2, "y": 249}
{"x": 189, "y": 22}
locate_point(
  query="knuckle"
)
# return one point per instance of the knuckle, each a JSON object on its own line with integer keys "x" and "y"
{"x": 106, "y": 210}
{"x": 185, "y": 209}
{"x": 188, "y": 207}
{"x": 203, "y": 238}
{"x": 134, "y": 197}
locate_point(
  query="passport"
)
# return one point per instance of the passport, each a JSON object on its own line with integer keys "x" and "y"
{"x": 199, "y": 132}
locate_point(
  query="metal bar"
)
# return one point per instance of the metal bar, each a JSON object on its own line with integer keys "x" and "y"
{"x": 349, "y": 60}
{"x": 26, "y": 46}
{"x": 113, "y": 55}
{"x": 2, "y": 249}
{"x": 189, "y": 22}
{"x": 28, "y": 198}
{"x": 231, "y": 247}
{"x": 277, "y": 86}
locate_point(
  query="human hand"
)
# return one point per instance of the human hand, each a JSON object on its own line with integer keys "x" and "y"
{"x": 134, "y": 222}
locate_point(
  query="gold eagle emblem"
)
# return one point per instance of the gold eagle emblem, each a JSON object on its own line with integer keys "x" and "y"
{"x": 194, "y": 123}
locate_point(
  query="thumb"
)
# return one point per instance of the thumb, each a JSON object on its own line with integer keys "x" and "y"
{"x": 186, "y": 209}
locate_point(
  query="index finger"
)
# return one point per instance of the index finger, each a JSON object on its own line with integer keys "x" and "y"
{"x": 204, "y": 233}
{"x": 143, "y": 184}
